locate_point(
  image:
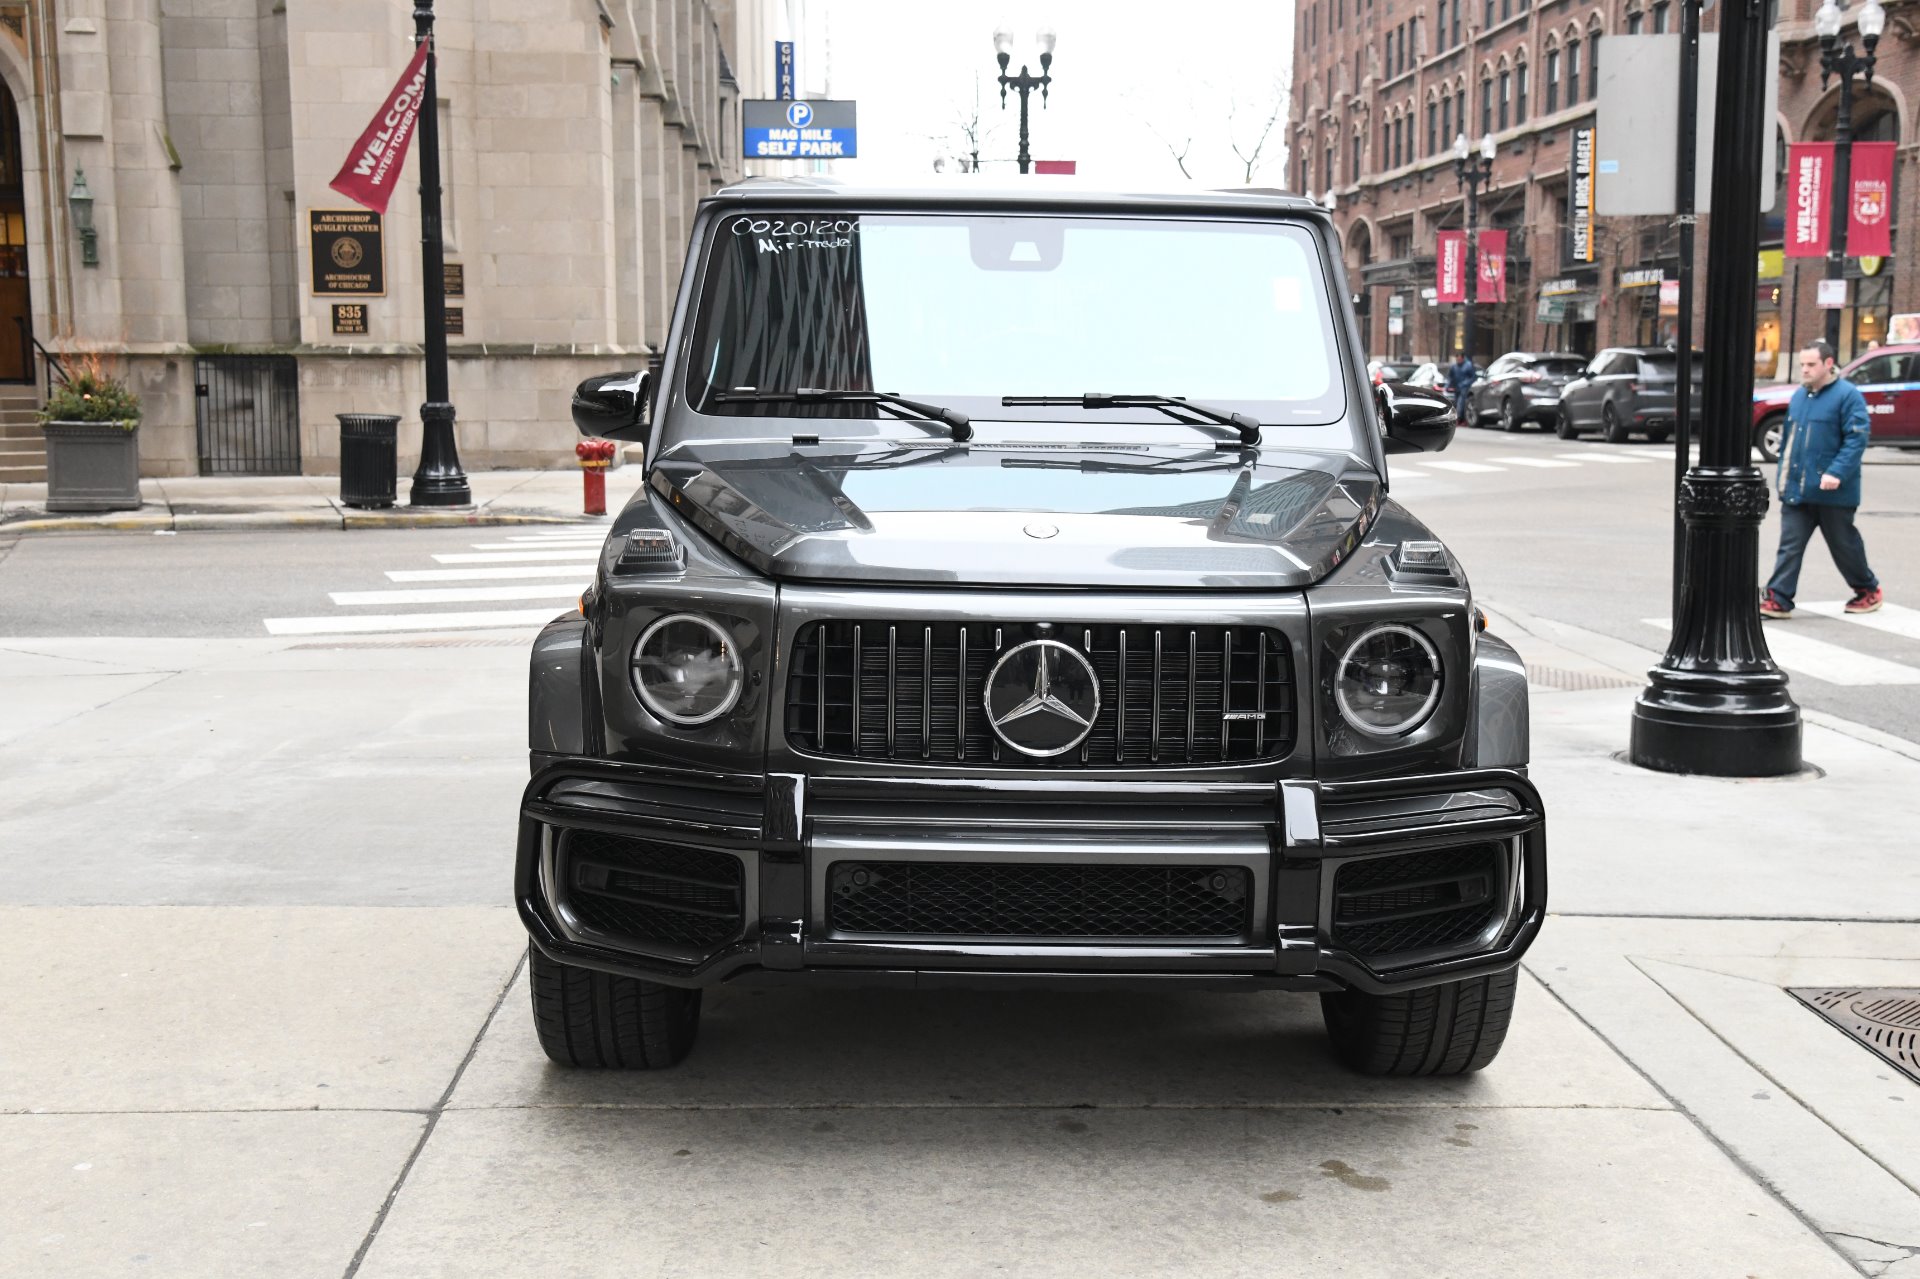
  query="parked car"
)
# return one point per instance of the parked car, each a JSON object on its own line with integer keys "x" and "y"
{"x": 983, "y": 680}
{"x": 1428, "y": 377}
{"x": 1523, "y": 386}
{"x": 1626, "y": 389}
{"x": 1889, "y": 381}
{"x": 1381, "y": 372}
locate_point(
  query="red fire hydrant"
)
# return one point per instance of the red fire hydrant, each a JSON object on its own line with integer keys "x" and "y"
{"x": 595, "y": 456}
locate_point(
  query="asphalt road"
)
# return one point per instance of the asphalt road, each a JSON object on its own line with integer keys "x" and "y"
{"x": 1572, "y": 532}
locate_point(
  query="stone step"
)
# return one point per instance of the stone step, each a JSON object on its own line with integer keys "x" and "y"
{"x": 23, "y": 475}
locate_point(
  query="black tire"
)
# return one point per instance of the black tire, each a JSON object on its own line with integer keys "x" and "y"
{"x": 1450, "y": 1029}
{"x": 1508, "y": 422}
{"x": 1563, "y": 426}
{"x": 1768, "y": 430}
{"x": 602, "y": 1022}
{"x": 1616, "y": 429}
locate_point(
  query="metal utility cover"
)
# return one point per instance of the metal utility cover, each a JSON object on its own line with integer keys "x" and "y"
{"x": 1886, "y": 1020}
{"x": 1638, "y": 123}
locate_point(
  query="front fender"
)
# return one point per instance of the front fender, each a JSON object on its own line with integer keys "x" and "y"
{"x": 556, "y": 692}
{"x": 1500, "y": 727}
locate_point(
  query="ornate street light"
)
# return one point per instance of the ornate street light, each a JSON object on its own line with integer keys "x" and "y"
{"x": 1837, "y": 58}
{"x": 1024, "y": 83}
{"x": 1474, "y": 170}
{"x": 439, "y": 480}
{"x": 1717, "y": 704}
{"x": 80, "y": 205}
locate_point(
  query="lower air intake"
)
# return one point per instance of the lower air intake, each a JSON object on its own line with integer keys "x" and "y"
{"x": 653, "y": 894}
{"x": 1397, "y": 905}
{"x": 1047, "y": 903}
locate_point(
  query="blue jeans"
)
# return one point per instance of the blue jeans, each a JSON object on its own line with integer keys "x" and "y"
{"x": 1797, "y": 522}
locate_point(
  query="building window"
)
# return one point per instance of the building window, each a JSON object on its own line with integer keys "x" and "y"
{"x": 1327, "y": 160}
{"x": 1553, "y": 81}
{"x": 1486, "y": 106}
{"x": 1490, "y": 5}
{"x": 1593, "y": 65}
{"x": 1660, "y": 19}
{"x": 1446, "y": 119}
{"x": 1506, "y": 96}
{"x": 1506, "y": 9}
{"x": 1393, "y": 151}
{"x": 1400, "y": 244}
{"x": 1433, "y": 128}
{"x": 1520, "y": 94}
{"x": 1456, "y": 20}
{"x": 1633, "y": 24}
{"x": 1386, "y": 144}
{"x": 1356, "y": 155}
{"x": 1573, "y": 72}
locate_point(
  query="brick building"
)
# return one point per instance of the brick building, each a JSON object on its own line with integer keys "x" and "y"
{"x": 1382, "y": 87}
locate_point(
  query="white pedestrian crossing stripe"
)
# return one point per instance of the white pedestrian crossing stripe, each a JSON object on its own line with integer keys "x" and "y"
{"x": 1463, "y": 468}
{"x": 552, "y": 567}
{"x": 1542, "y": 462}
{"x": 1595, "y": 455}
{"x": 1804, "y": 655}
{"x": 1893, "y": 619}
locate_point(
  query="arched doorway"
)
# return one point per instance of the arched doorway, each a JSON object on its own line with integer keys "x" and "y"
{"x": 16, "y": 294}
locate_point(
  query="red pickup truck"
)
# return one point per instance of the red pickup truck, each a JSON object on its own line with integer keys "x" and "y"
{"x": 1889, "y": 380}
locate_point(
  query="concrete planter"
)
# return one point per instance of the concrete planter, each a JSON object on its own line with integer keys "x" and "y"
{"x": 93, "y": 466}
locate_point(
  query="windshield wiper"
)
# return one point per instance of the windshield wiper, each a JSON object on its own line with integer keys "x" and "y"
{"x": 1172, "y": 405}
{"x": 960, "y": 425}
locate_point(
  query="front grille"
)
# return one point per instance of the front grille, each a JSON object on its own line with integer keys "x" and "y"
{"x": 652, "y": 893}
{"x": 1416, "y": 901}
{"x": 915, "y": 691}
{"x": 1054, "y": 903}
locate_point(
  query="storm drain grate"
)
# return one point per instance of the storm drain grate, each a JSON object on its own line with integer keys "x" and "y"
{"x": 1576, "y": 681}
{"x": 1886, "y": 1020}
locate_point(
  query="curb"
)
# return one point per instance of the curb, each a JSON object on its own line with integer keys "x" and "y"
{"x": 186, "y": 522}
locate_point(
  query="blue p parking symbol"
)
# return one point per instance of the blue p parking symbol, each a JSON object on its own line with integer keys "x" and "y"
{"x": 799, "y": 115}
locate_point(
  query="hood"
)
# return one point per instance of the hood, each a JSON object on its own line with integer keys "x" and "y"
{"x": 1776, "y": 394}
{"x": 1025, "y": 515}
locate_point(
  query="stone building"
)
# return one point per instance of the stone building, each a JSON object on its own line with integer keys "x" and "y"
{"x": 577, "y": 135}
{"x": 1382, "y": 87}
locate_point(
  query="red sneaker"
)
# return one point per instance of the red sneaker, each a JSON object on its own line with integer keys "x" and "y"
{"x": 1867, "y": 601}
{"x": 1775, "y": 609}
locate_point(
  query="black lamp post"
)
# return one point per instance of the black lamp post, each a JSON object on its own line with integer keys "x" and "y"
{"x": 1837, "y": 58}
{"x": 1475, "y": 170}
{"x": 438, "y": 481}
{"x": 1717, "y": 704}
{"x": 1024, "y": 83}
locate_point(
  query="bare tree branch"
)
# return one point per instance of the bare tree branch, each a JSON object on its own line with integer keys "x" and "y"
{"x": 1253, "y": 154}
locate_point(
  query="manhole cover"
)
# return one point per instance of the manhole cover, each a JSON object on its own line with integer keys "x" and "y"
{"x": 1887, "y": 1020}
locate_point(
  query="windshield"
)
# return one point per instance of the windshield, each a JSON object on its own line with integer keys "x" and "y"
{"x": 962, "y": 309}
{"x": 1561, "y": 368}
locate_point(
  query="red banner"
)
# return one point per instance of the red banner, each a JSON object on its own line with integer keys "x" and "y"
{"x": 1493, "y": 267}
{"x": 1451, "y": 262}
{"x": 1809, "y": 197}
{"x": 373, "y": 166}
{"x": 1870, "y": 210}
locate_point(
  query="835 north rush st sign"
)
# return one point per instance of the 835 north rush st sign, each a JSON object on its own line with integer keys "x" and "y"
{"x": 347, "y": 257}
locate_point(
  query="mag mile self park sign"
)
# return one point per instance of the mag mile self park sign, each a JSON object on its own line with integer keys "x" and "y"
{"x": 797, "y": 130}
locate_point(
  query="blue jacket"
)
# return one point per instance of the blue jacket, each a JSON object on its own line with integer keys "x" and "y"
{"x": 1460, "y": 375}
{"x": 1826, "y": 434}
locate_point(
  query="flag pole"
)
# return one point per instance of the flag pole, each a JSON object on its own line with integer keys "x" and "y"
{"x": 438, "y": 481}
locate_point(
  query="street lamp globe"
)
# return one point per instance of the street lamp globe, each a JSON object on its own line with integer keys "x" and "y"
{"x": 1826, "y": 22}
{"x": 1460, "y": 146}
{"x": 1046, "y": 38}
{"x": 1003, "y": 42}
{"x": 1487, "y": 149}
{"x": 1873, "y": 21}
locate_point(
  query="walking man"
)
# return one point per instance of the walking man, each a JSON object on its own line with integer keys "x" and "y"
{"x": 1460, "y": 376}
{"x": 1819, "y": 484}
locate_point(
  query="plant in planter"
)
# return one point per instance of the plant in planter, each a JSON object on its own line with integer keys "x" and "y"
{"x": 92, "y": 425}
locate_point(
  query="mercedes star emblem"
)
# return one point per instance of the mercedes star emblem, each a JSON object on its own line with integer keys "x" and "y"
{"x": 1042, "y": 698}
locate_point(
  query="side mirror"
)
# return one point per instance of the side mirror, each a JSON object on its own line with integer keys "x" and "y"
{"x": 1415, "y": 421}
{"x": 613, "y": 407}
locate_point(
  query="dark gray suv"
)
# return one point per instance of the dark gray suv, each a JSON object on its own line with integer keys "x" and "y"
{"x": 916, "y": 663}
{"x": 1626, "y": 390}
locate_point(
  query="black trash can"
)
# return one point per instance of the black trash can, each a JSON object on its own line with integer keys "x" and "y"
{"x": 367, "y": 445}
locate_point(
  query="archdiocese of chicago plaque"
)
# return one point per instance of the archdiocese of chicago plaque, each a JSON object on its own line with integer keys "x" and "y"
{"x": 346, "y": 254}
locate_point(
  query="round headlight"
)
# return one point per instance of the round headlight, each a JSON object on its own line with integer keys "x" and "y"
{"x": 686, "y": 670}
{"x": 1388, "y": 681}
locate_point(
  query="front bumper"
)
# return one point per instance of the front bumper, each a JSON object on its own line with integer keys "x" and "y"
{"x": 753, "y": 860}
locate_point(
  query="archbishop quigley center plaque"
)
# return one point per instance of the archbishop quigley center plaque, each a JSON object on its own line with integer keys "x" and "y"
{"x": 346, "y": 255}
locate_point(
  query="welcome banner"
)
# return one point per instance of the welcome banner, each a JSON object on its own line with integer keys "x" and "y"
{"x": 373, "y": 166}
{"x": 1870, "y": 205}
{"x": 1493, "y": 267}
{"x": 1451, "y": 265}
{"x": 1809, "y": 196}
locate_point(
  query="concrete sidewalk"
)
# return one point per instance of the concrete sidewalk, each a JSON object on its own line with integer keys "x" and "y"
{"x": 204, "y": 503}
{"x": 269, "y": 1017}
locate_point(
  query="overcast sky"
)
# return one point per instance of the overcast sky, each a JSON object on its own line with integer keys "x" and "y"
{"x": 1127, "y": 74}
